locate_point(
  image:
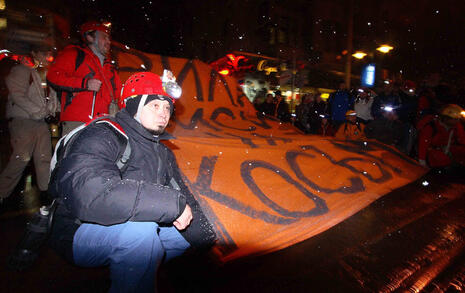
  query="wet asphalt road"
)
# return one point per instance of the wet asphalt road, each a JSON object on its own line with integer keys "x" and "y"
{"x": 411, "y": 240}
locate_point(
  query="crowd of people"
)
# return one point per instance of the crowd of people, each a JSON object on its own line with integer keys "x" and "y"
{"x": 135, "y": 218}
{"x": 426, "y": 123}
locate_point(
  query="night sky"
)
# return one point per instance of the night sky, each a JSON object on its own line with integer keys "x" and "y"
{"x": 429, "y": 35}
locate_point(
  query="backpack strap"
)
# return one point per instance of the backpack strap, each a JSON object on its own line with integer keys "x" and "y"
{"x": 79, "y": 58}
{"x": 124, "y": 156}
{"x": 62, "y": 148}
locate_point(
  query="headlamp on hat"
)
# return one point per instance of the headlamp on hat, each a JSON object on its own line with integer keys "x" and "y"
{"x": 169, "y": 84}
{"x": 388, "y": 108}
{"x": 351, "y": 113}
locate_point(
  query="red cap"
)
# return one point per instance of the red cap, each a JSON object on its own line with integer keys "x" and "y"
{"x": 95, "y": 26}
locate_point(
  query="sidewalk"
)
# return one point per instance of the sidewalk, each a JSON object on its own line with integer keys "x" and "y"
{"x": 411, "y": 238}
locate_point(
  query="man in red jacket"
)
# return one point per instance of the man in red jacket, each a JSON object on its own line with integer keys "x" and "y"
{"x": 84, "y": 77}
{"x": 441, "y": 139}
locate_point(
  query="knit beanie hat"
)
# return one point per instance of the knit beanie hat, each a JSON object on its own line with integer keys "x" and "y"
{"x": 135, "y": 105}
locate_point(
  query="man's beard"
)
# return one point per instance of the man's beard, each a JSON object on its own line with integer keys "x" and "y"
{"x": 157, "y": 131}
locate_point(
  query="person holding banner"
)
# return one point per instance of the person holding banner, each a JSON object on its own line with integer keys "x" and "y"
{"x": 351, "y": 129}
{"x": 85, "y": 79}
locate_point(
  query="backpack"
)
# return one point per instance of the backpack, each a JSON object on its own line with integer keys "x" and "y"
{"x": 39, "y": 226}
{"x": 62, "y": 149}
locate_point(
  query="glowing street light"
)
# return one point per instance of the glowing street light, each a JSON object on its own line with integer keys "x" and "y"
{"x": 359, "y": 55}
{"x": 384, "y": 48}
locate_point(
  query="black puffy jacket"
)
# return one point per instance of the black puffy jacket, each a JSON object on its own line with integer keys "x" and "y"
{"x": 93, "y": 189}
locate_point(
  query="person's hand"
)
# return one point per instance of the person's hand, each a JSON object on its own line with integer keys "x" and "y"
{"x": 94, "y": 84}
{"x": 184, "y": 219}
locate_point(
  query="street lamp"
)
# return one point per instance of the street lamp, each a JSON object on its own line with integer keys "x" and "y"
{"x": 359, "y": 55}
{"x": 384, "y": 48}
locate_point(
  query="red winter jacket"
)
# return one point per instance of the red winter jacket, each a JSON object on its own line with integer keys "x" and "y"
{"x": 433, "y": 135}
{"x": 69, "y": 74}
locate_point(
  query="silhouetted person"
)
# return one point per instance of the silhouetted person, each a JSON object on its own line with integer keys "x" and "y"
{"x": 29, "y": 106}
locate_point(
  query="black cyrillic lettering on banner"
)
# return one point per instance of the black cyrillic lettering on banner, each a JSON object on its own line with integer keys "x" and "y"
{"x": 395, "y": 152}
{"x": 203, "y": 186}
{"x": 246, "y": 173}
{"x": 356, "y": 184}
{"x": 228, "y": 90}
{"x": 385, "y": 175}
{"x": 228, "y": 112}
{"x": 225, "y": 243}
{"x": 344, "y": 163}
{"x": 245, "y": 140}
{"x": 240, "y": 95}
{"x": 214, "y": 135}
{"x": 211, "y": 86}
{"x": 195, "y": 119}
{"x": 362, "y": 148}
{"x": 262, "y": 122}
{"x": 272, "y": 140}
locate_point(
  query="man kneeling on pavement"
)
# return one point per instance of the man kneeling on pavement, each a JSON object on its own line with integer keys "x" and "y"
{"x": 134, "y": 219}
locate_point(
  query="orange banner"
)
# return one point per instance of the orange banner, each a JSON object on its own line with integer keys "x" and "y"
{"x": 262, "y": 184}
